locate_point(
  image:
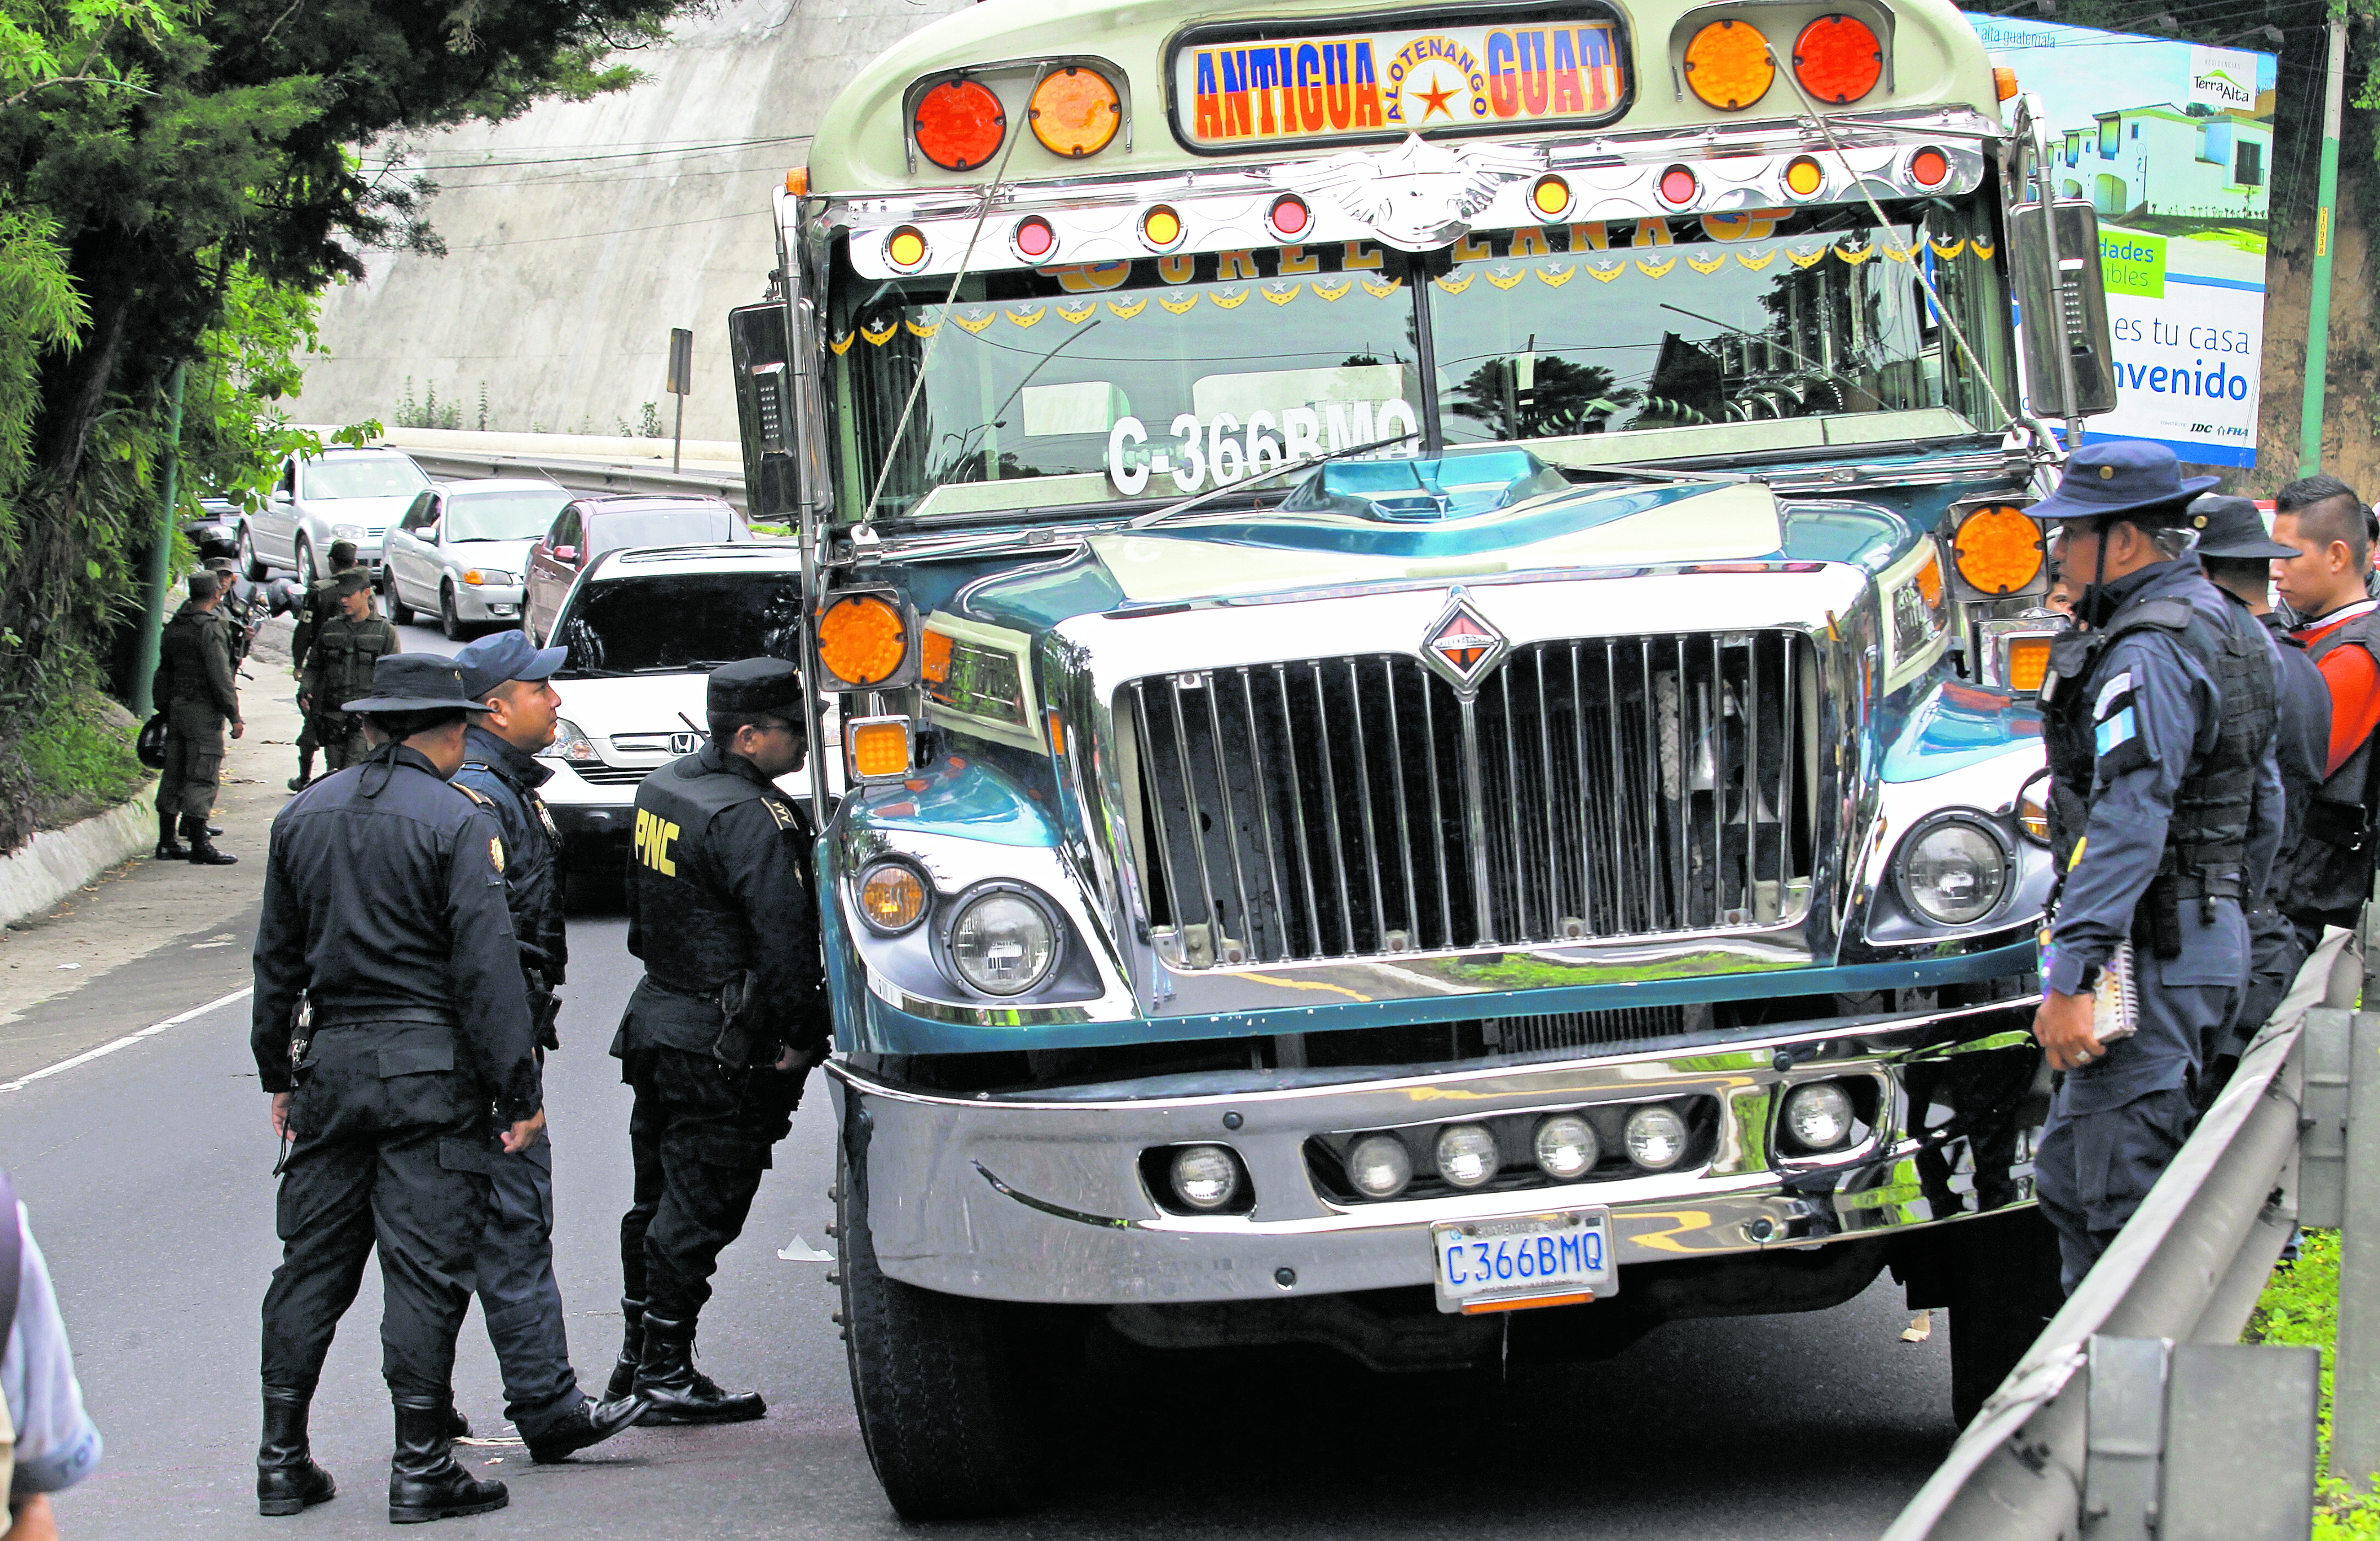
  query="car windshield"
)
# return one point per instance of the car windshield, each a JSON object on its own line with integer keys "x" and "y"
{"x": 1615, "y": 340}
{"x": 673, "y": 623}
{"x": 377, "y": 476}
{"x": 693, "y": 524}
{"x": 502, "y": 515}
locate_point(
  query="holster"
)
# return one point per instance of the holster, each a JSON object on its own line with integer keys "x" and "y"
{"x": 544, "y": 1007}
{"x": 2156, "y": 920}
{"x": 740, "y": 1008}
{"x": 301, "y": 1041}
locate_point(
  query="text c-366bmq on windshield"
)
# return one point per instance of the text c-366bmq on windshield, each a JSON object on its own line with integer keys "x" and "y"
{"x": 1221, "y": 449}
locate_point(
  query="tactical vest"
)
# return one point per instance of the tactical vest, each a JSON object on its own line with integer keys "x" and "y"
{"x": 183, "y": 649}
{"x": 2332, "y": 867}
{"x": 695, "y": 938}
{"x": 2206, "y": 840}
{"x": 344, "y": 653}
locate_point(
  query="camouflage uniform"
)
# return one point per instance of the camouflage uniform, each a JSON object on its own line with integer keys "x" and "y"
{"x": 339, "y": 670}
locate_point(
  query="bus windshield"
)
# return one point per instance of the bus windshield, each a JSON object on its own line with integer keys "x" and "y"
{"x": 1597, "y": 343}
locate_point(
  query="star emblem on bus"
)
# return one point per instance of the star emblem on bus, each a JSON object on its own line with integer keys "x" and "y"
{"x": 1461, "y": 644}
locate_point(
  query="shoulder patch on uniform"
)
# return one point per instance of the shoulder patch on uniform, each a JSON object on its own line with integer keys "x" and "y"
{"x": 2119, "y": 684}
{"x": 785, "y": 817}
{"x": 496, "y": 852}
{"x": 480, "y": 797}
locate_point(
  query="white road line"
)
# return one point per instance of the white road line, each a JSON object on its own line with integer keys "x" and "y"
{"x": 125, "y": 1042}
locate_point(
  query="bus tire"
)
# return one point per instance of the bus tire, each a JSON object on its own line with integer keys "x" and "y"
{"x": 938, "y": 1381}
{"x": 2007, "y": 1289}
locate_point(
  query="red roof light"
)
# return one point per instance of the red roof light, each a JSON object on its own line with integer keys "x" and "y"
{"x": 960, "y": 124}
{"x": 1838, "y": 59}
{"x": 1677, "y": 185}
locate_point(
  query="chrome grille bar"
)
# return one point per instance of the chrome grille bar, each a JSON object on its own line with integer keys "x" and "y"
{"x": 1601, "y": 789}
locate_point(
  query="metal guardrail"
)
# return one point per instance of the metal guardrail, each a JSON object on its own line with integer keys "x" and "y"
{"x": 581, "y": 476}
{"x": 2121, "y": 1420}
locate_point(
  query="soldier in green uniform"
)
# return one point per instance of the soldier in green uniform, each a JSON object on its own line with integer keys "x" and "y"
{"x": 339, "y": 669}
{"x": 321, "y": 604}
{"x": 194, "y": 686}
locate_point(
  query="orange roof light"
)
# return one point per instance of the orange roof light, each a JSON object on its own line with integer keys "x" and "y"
{"x": 1728, "y": 65}
{"x": 1804, "y": 177}
{"x": 2027, "y": 666}
{"x": 2004, "y": 81}
{"x": 1550, "y": 196}
{"x": 797, "y": 181}
{"x": 1838, "y": 59}
{"x": 1161, "y": 228}
{"x": 1998, "y": 549}
{"x": 960, "y": 124}
{"x": 879, "y": 749}
{"x": 862, "y": 641}
{"x": 1076, "y": 112}
{"x": 906, "y": 247}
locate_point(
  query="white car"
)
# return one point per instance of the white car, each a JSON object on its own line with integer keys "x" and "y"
{"x": 460, "y": 548}
{"x": 644, "y": 628}
{"x": 340, "y": 495}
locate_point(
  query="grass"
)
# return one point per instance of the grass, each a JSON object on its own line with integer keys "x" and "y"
{"x": 2300, "y": 1306}
{"x": 79, "y": 755}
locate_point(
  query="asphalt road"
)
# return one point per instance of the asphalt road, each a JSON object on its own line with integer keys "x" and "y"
{"x": 147, "y": 1173}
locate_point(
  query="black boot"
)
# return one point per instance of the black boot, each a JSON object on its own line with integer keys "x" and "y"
{"x": 457, "y": 1426}
{"x": 624, "y": 1374}
{"x": 589, "y": 1423}
{"x": 203, "y": 850}
{"x": 305, "y": 771}
{"x": 287, "y": 1481}
{"x": 679, "y": 1393}
{"x": 423, "y": 1481}
{"x": 169, "y": 847}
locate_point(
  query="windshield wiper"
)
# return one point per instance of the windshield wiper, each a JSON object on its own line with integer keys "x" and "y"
{"x": 1160, "y": 516}
{"x": 589, "y": 671}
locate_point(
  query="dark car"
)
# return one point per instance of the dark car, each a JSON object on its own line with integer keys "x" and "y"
{"x": 589, "y": 526}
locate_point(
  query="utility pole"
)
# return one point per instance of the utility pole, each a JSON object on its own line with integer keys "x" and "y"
{"x": 2317, "y": 366}
{"x": 680, "y": 382}
{"x": 161, "y": 556}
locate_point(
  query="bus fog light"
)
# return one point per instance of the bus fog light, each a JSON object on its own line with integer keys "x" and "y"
{"x": 1380, "y": 1166}
{"x": 1466, "y": 1155}
{"x": 1655, "y": 1138}
{"x": 1566, "y": 1146}
{"x": 1204, "y": 1176}
{"x": 1818, "y": 1116}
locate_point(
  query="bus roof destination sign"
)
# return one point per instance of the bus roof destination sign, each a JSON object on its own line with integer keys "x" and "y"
{"x": 1242, "y": 87}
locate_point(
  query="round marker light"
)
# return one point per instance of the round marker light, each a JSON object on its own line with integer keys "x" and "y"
{"x": 1034, "y": 239}
{"x": 1728, "y": 65}
{"x": 1204, "y": 1176}
{"x": 1818, "y": 1116}
{"x": 1838, "y": 59}
{"x": 906, "y": 247}
{"x": 959, "y": 124}
{"x": 2032, "y": 809}
{"x": 892, "y": 897}
{"x": 1380, "y": 1166}
{"x": 1550, "y": 197}
{"x": 1466, "y": 1155}
{"x": 1160, "y": 228}
{"x": 1952, "y": 873}
{"x": 1678, "y": 186}
{"x": 1655, "y": 1138}
{"x": 1804, "y": 177}
{"x": 1289, "y": 216}
{"x": 1074, "y": 112}
{"x": 1003, "y": 944}
{"x": 1998, "y": 549}
{"x": 1929, "y": 167}
{"x": 861, "y": 640}
{"x": 1566, "y": 1146}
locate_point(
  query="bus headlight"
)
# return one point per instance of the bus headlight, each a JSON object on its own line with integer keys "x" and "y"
{"x": 1004, "y": 943}
{"x": 1953, "y": 871}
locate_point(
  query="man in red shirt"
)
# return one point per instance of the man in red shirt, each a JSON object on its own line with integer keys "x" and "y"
{"x": 2329, "y": 527}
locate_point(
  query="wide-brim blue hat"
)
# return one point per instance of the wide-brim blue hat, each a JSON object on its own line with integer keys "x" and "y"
{"x": 2122, "y": 477}
{"x": 416, "y": 682}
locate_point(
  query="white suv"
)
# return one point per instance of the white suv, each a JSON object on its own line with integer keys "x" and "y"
{"x": 644, "y": 628}
{"x": 340, "y": 495}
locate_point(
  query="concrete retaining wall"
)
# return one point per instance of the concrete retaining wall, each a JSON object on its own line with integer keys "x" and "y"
{"x": 58, "y": 861}
{"x": 578, "y": 234}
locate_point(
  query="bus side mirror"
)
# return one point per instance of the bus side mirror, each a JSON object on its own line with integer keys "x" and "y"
{"x": 761, "y": 350}
{"x": 2066, "y": 311}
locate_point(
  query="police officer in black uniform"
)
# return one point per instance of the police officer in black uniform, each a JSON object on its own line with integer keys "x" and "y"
{"x": 385, "y": 917}
{"x": 725, "y": 1025}
{"x": 2238, "y": 555}
{"x": 518, "y": 1293}
{"x": 2164, "y": 817}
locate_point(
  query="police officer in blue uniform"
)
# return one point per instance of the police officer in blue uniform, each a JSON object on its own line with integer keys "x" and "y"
{"x": 2164, "y": 817}
{"x": 518, "y": 1293}
{"x": 725, "y": 1025}
{"x": 389, "y": 1019}
{"x": 2239, "y": 555}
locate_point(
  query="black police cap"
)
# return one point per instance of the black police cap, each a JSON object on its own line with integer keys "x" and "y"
{"x": 2229, "y": 526}
{"x": 355, "y": 580}
{"x": 755, "y": 685}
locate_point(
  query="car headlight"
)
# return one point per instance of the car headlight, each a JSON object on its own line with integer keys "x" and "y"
{"x": 1953, "y": 872}
{"x": 347, "y": 532}
{"x": 1004, "y": 943}
{"x": 490, "y": 578}
{"x": 570, "y": 744}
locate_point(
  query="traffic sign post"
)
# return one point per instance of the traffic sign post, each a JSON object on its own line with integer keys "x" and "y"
{"x": 681, "y": 381}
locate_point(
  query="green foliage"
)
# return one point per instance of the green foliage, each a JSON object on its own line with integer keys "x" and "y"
{"x": 429, "y": 412}
{"x": 67, "y": 47}
{"x": 79, "y": 754}
{"x": 649, "y": 422}
{"x": 2300, "y": 1306}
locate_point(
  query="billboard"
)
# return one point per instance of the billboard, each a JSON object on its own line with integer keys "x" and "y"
{"x": 2172, "y": 143}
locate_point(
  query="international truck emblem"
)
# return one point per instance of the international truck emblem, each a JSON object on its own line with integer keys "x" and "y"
{"x": 1462, "y": 644}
